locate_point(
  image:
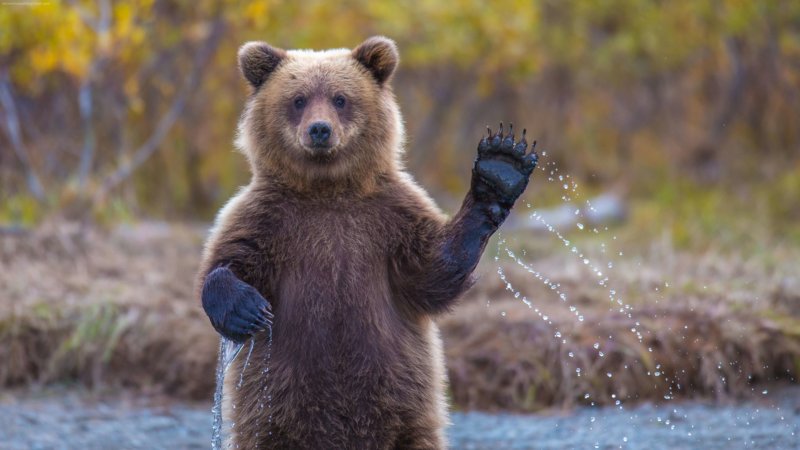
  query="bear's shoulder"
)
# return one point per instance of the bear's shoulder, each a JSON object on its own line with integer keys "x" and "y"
{"x": 404, "y": 195}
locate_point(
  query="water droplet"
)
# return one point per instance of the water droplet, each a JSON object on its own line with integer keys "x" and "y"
{"x": 579, "y": 225}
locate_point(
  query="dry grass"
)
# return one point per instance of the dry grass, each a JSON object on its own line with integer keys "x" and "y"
{"x": 116, "y": 308}
{"x": 706, "y": 325}
{"x": 104, "y": 308}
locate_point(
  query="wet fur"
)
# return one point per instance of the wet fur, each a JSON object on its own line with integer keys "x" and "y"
{"x": 355, "y": 260}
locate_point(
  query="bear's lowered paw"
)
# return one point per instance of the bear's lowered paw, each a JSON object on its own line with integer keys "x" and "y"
{"x": 501, "y": 171}
{"x": 236, "y": 309}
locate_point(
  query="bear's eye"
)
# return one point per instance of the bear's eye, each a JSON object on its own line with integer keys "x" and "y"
{"x": 299, "y": 102}
{"x": 339, "y": 101}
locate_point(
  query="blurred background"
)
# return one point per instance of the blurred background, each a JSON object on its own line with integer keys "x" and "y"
{"x": 128, "y": 109}
{"x": 679, "y": 120}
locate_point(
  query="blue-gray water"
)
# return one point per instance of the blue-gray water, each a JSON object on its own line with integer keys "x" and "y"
{"x": 63, "y": 420}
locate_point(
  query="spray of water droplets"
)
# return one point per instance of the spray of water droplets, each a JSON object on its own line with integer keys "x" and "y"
{"x": 555, "y": 287}
{"x": 600, "y": 271}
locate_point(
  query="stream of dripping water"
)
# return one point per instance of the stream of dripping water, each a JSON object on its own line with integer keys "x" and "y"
{"x": 228, "y": 351}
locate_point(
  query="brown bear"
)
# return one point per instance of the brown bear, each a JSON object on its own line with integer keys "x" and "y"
{"x": 335, "y": 253}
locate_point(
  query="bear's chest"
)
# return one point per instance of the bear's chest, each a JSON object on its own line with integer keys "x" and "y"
{"x": 331, "y": 242}
{"x": 332, "y": 260}
{"x": 334, "y": 310}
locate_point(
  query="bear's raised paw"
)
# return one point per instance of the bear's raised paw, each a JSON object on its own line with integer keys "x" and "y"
{"x": 502, "y": 170}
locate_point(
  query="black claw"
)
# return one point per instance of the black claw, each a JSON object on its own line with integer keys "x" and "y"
{"x": 533, "y": 150}
{"x": 489, "y": 130}
{"x": 263, "y": 323}
{"x": 500, "y": 132}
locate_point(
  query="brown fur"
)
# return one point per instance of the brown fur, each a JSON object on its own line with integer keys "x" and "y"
{"x": 346, "y": 248}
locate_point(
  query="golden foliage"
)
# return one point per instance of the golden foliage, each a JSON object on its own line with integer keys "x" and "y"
{"x": 617, "y": 90}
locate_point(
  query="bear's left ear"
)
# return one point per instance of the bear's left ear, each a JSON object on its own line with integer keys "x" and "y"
{"x": 257, "y": 60}
{"x": 379, "y": 55}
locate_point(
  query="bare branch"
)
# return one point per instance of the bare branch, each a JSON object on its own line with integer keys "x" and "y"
{"x": 89, "y": 141}
{"x": 149, "y": 147}
{"x": 15, "y": 135}
{"x": 85, "y": 96}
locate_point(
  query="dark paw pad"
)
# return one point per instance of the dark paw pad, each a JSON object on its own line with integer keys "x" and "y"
{"x": 503, "y": 167}
{"x": 236, "y": 309}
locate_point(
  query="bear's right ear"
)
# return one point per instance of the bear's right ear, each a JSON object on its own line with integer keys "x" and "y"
{"x": 379, "y": 55}
{"x": 257, "y": 60}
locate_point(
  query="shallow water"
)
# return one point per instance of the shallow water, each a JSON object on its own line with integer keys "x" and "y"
{"x": 689, "y": 425}
{"x": 64, "y": 420}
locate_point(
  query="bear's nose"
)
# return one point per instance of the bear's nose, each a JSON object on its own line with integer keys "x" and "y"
{"x": 320, "y": 132}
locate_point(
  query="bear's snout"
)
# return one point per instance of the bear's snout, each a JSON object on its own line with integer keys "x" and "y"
{"x": 320, "y": 133}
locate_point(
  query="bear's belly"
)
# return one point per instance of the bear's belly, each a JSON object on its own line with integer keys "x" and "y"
{"x": 345, "y": 370}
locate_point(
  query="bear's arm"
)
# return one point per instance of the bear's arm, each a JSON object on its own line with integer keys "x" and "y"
{"x": 235, "y": 252}
{"x": 435, "y": 265}
{"x": 233, "y": 263}
{"x": 435, "y": 262}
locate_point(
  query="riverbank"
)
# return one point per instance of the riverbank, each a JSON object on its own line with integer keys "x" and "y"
{"x": 111, "y": 308}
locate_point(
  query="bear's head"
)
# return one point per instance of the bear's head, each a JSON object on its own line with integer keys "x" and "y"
{"x": 317, "y": 120}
